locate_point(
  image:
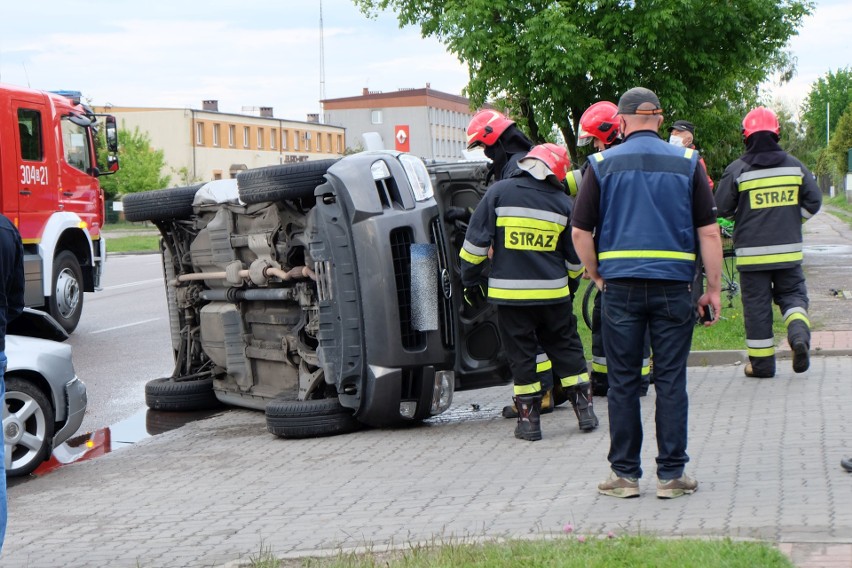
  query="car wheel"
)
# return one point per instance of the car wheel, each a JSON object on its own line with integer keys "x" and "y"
{"x": 168, "y": 394}
{"x": 278, "y": 183}
{"x": 160, "y": 204}
{"x": 66, "y": 302}
{"x": 309, "y": 418}
{"x": 28, "y": 419}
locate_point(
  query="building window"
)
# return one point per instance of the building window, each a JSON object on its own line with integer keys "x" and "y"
{"x": 216, "y": 135}
{"x": 328, "y": 142}
{"x": 260, "y": 138}
{"x": 319, "y": 141}
{"x": 199, "y": 133}
{"x": 339, "y": 143}
{"x": 307, "y": 141}
{"x": 232, "y": 135}
{"x": 376, "y": 117}
{"x": 273, "y": 134}
{"x": 296, "y": 136}
{"x": 246, "y": 136}
{"x": 284, "y": 136}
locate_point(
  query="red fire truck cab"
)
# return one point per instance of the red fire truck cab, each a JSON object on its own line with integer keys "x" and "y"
{"x": 49, "y": 188}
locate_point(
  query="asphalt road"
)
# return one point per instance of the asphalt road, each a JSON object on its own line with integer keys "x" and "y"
{"x": 122, "y": 340}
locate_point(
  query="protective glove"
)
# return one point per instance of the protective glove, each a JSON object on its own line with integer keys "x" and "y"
{"x": 475, "y": 296}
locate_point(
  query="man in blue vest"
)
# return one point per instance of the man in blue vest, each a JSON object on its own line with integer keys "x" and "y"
{"x": 643, "y": 212}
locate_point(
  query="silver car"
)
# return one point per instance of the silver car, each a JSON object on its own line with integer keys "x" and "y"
{"x": 45, "y": 401}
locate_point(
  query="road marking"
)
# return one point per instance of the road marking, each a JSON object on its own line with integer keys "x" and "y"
{"x": 130, "y": 284}
{"x": 123, "y": 326}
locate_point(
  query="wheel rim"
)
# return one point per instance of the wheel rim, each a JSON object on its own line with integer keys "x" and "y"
{"x": 67, "y": 293}
{"x": 24, "y": 430}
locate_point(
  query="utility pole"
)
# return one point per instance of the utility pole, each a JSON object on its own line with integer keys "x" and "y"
{"x": 321, "y": 65}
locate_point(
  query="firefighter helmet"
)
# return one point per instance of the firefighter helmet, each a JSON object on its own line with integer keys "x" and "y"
{"x": 485, "y": 128}
{"x": 554, "y": 156}
{"x": 599, "y": 121}
{"x": 760, "y": 119}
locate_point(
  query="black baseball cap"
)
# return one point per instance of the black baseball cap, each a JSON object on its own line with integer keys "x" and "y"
{"x": 683, "y": 125}
{"x": 631, "y": 100}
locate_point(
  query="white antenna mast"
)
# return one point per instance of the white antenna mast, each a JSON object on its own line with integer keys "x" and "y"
{"x": 322, "y": 64}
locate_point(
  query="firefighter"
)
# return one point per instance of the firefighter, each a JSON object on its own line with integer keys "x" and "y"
{"x": 523, "y": 218}
{"x": 599, "y": 126}
{"x": 769, "y": 194}
{"x": 504, "y": 144}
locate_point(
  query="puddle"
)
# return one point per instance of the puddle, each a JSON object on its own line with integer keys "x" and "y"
{"x": 141, "y": 425}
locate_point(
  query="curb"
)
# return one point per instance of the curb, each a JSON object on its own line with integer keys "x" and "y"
{"x": 738, "y": 357}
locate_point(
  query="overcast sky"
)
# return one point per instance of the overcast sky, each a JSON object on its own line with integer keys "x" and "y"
{"x": 267, "y": 52}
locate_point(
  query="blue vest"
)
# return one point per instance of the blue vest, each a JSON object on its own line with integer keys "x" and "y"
{"x": 645, "y": 229}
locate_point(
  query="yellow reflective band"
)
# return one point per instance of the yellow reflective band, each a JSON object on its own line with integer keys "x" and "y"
{"x": 646, "y": 254}
{"x": 646, "y": 370}
{"x": 543, "y": 366}
{"x": 534, "y": 388}
{"x": 765, "y": 352}
{"x": 773, "y": 197}
{"x": 598, "y": 157}
{"x": 688, "y": 153}
{"x": 575, "y": 273}
{"x": 598, "y": 368}
{"x": 768, "y": 258}
{"x": 530, "y": 239}
{"x": 775, "y": 181}
{"x": 797, "y": 316}
{"x": 571, "y": 180}
{"x": 529, "y": 294}
{"x": 530, "y": 223}
{"x": 575, "y": 380}
{"x": 471, "y": 258}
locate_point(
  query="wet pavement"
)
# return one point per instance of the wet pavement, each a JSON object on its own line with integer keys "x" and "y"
{"x": 216, "y": 491}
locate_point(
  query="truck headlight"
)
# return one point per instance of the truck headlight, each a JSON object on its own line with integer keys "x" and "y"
{"x": 442, "y": 395}
{"x": 418, "y": 177}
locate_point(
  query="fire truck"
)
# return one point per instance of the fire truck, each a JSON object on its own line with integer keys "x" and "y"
{"x": 49, "y": 189}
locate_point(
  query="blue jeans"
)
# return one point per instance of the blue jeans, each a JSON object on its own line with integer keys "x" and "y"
{"x": 667, "y": 310}
{"x": 3, "y": 506}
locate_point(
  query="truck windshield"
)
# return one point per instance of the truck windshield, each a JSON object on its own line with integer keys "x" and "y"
{"x": 75, "y": 139}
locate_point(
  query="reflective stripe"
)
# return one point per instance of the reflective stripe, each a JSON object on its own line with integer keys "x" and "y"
{"x": 528, "y": 294}
{"x": 533, "y": 388}
{"x": 475, "y": 250}
{"x": 573, "y": 180}
{"x": 760, "y": 343}
{"x": 794, "y": 314}
{"x": 772, "y": 249}
{"x": 598, "y": 368}
{"x": 542, "y": 363}
{"x": 767, "y": 352}
{"x": 599, "y": 157}
{"x": 790, "y": 252}
{"x": 778, "y": 181}
{"x": 769, "y": 259}
{"x": 770, "y": 172}
{"x": 574, "y": 380}
{"x": 541, "y": 358}
{"x": 806, "y": 214}
{"x": 528, "y": 213}
{"x": 646, "y": 371}
{"x": 668, "y": 254}
{"x": 471, "y": 258}
{"x": 688, "y": 153}
{"x": 519, "y": 284}
{"x": 574, "y": 267}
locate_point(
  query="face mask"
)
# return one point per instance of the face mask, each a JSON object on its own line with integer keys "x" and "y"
{"x": 676, "y": 140}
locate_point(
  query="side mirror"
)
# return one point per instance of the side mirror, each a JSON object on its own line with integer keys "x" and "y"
{"x": 111, "y": 134}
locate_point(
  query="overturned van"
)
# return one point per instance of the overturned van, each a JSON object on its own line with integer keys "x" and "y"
{"x": 325, "y": 293}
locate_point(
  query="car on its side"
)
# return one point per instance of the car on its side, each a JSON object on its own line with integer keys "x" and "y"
{"x": 45, "y": 400}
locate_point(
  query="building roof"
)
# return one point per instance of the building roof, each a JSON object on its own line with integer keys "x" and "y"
{"x": 400, "y": 98}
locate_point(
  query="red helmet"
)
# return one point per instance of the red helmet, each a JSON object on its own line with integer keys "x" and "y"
{"x": 760, "y": 119}
{"x": 485, "y": 128}
{"x": 554, "y": 156}
{"x": 599, "y": 121}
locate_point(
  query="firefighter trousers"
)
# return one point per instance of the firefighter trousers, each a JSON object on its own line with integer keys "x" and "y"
{"x": 786, "y": 288}
{"x": 526, "y": 330}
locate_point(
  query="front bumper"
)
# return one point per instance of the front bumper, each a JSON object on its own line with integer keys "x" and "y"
{"x": 75, "y": 401}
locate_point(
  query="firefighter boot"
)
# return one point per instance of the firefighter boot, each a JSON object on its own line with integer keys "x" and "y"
{"x": 799, "y": 338}
{"x": 511, "y": 411}
{"x": 581, "y": 400}
{"x": 529, "y": 418}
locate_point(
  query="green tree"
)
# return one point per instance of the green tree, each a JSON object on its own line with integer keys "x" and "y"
{"x": 550, "y": 59}
{"x": 140, "y": 165}
{"x": 828, "y": 98}
{"x": 840, "y": 145}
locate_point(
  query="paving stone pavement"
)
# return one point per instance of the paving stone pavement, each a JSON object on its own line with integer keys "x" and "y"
{"x": 217, "y": 491}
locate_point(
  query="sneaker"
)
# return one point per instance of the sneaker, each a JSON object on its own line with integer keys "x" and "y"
{"x": 801, "y": 357}
{"x": 623, "y": 487}
{"x": 671, "y": 488}
{"x": 750, "y": 372}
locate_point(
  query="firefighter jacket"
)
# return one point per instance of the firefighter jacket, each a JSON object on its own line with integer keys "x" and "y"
{"x": 646, "y": 229}
{"x": 12, "y": 271}
{"x": 769, "y": 203}
{"x": 524, "y": 219}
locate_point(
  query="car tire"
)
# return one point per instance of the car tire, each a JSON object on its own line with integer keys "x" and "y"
{"x": 309, "y": 418}
{"x": 160, "y": 204}
{"x": 279, "y": 183}
{"x": 168, "y": 394}
{"x": 29, "y": 415}
{"x": 65, "y": 304}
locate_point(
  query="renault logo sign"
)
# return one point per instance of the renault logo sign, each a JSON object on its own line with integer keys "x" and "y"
{"x": 446, "y": 284}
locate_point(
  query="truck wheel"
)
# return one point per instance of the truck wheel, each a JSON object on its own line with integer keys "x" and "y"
{"x": 309, "y": 418}
{"x": 28, "y": 421}
{"x": 66, "y": 302}
{"x": 160, "y": 204}
{"x": 278, "y": 183}
{"x": 168, "y": 394}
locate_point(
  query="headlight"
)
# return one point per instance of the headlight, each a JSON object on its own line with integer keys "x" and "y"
{"x": 418, "y": 177}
